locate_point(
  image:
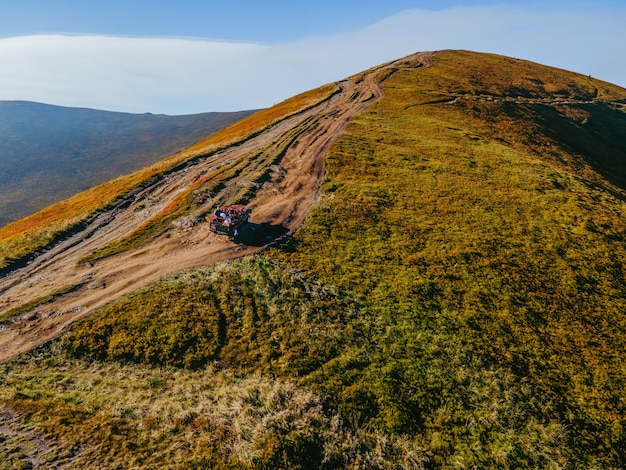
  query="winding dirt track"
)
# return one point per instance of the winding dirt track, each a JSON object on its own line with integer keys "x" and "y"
{"x": 290, "y": 154}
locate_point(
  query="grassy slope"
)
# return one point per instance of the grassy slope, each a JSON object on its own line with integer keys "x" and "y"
{"x": 477, "y": 314}
{"x": 25, "y": 236}
{"x": 488, "y": 256}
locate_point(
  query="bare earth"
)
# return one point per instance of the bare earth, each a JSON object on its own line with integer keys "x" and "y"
{"x": 280, "y": 205}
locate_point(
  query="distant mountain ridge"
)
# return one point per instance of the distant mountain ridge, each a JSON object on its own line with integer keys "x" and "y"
{"x": 48, "y": 153}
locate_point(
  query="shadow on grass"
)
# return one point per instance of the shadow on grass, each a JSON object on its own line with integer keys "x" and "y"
{"x": 252, "y": 234}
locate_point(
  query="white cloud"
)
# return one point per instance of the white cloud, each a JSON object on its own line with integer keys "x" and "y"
{"x": 176, "y": 76}
{"x": 130, "y": 74}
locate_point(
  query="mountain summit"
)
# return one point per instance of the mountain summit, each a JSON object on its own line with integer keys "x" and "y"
{"x": 433, "y": 277}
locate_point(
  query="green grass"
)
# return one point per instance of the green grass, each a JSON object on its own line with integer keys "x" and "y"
{"x": 488, "y": 257}
{"x": 456, "y": 294}
{"x": 247, "y": 314}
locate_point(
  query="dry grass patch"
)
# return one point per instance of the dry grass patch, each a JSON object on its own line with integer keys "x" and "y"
{"x": 106, "y": 415}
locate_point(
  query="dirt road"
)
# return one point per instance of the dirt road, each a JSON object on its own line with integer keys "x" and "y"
{"x": 291, "y": 156}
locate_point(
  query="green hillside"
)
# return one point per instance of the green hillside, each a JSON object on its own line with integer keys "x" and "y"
{"x": 455, "y": 299}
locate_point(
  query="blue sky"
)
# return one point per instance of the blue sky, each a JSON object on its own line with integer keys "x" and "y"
{"x": 183, "y": 56}
{"x": 240, "y": 20}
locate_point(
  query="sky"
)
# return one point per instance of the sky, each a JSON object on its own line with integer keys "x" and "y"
{"x": 192, "y": 56}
